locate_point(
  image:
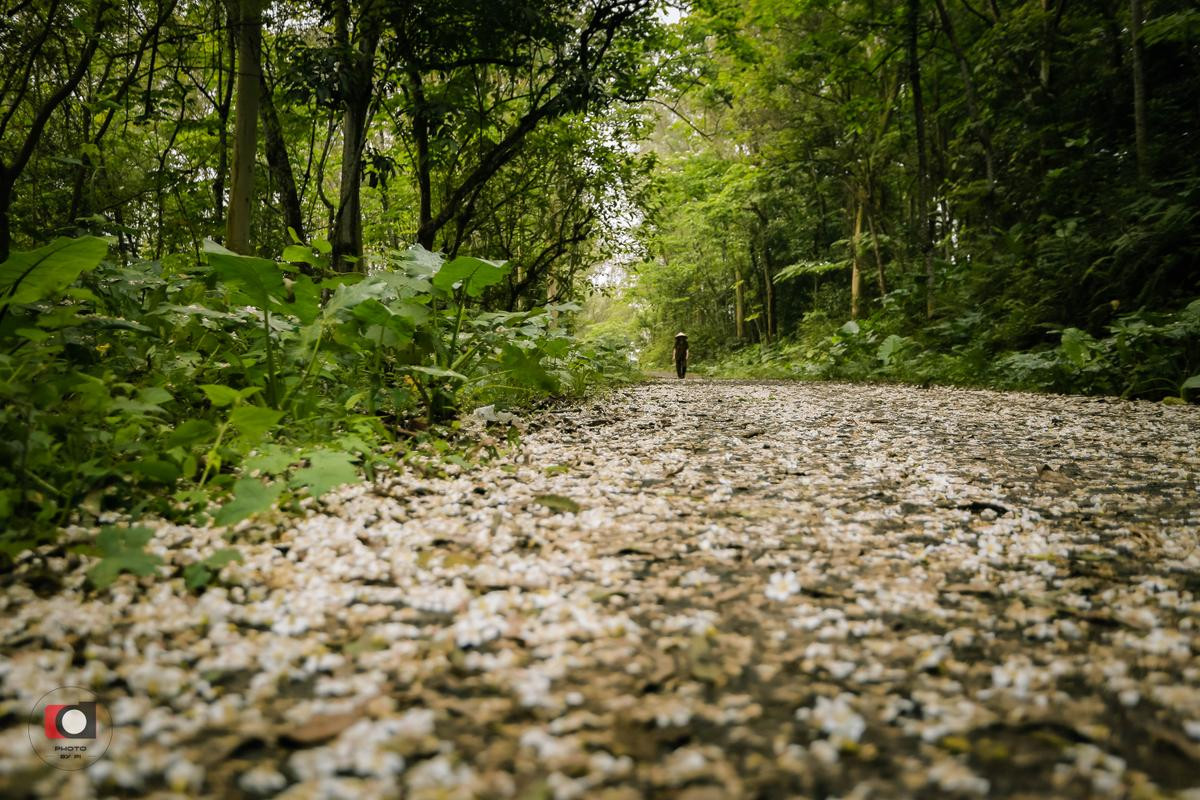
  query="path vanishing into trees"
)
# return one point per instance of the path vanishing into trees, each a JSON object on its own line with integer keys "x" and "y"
{"x": 697, "y": 589}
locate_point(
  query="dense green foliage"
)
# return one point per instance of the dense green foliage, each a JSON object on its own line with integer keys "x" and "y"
{"x": 245, "y": 247}
{"x": 164, "y": 385}
{"x": 1030, "y": 217}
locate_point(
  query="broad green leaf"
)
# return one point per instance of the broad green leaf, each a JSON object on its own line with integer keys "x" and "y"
{"x": 299, "y": 254}
{"x": 273, "y": 460}
{"x": 349, "y": 296}
{"x": 525, "y": 368}
{"x": 220, "y": 396}
{"x": 326, "y": 469}
{"x": 122, "y": 550}
{"x": 189, "y": 432}
{"x": 307, "y": 303}
{"x": 35, "y": 275}
{"x": 419, "y": 261}
{"x": 474, "y": 274}
{"x": 259, "y": 279}
{"x": 32, "y": 334}
{"x": 1191, "y": 383}
{"x": 202, "y": 572}
{"x": 253, "y": 422}
{"x": 250, "y": 496}
{"x": 888, "y": 349}
{"x": 1077, "y": 346}
{"x": 157, "y": 469}
{"x": 155, "y": 395}
{"x": 196, "y": 575}
{"x": 851, "y": 327}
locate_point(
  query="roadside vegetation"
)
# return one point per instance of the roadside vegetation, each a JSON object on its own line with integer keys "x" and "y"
{"x": 994, "y": 194}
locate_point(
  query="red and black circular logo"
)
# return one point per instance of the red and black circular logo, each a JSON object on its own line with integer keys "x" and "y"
{"x": 69, "y": 729}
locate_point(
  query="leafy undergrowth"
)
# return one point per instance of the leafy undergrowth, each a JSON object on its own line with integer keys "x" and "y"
{"x": 210, "y": 392}
{"x": 1144, "y": 355}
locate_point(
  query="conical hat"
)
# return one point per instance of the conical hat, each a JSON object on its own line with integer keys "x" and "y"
{"x": 681, "y": 333}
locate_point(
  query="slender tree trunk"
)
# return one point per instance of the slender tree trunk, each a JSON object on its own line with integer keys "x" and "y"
{"x": 279, "y": 162}
{"x": 420, "y": 124}
{"x": 880, "y": 278}
{"x": 1044, "y": 55}
{"x": 1139, "y": 90}
{"x": 855, "y": 265}
{"x": 739, "y": 308}
{"x": 924, "y": 222}
{"x": 245, "y": 125}
{"x": 224, "y": 105}
{"x": 359, "y": 78}
{"x": 758, "y": 261}
{"x": 330, "y": 208}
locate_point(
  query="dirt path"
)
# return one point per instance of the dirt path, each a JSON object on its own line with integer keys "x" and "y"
{"x": 684, "y": 589}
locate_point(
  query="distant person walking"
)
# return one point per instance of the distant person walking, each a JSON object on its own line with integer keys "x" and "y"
{"x": 681, "y": 354}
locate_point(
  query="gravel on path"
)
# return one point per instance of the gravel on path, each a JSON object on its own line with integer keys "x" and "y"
{"x": 685, "y": 589}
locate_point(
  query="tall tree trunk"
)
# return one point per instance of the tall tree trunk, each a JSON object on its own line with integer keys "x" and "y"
{"x": 245, "y": 124}
{"x": 1139, "y": 91}
{"x": 279, "y": 162}
{"x": 359, "y": 79}
{"x": 224, "y": 106}
{"x": 420, "y": 125}
{"x": 923, "y": 226}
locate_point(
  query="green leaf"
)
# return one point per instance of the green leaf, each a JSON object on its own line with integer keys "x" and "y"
{"x": 220, "y": 396}
{"x": 158, "y": 470}
{"x": 35, "y": 275}
{"x": 250, "y": 496}
{"x": 201, "y": 573}
{"x": 525, "y": 368}
{"x": 888, "y": 349}
{"x": 307, "y": 303}
{"x": 253, "y": 422}
{"x": 260, "y": 280}
{"x": 1077, "y": 346}
{"x": 155, "y": 395}
{"x": 273, "y": 460}
{"x": 122, "y": 550}
{"x": 299, "y": 254}
{"x": 419, "y": 261}
{"x": 326, "y": 469}
{"x": 556, "y": 502}
{"x": 436, "y": 372}
{"x": 851, "y": 327}
{"x": 196, "y": 575}
{"x": 474, "y": 274}
{"x": 1191, "y": 383}
{"x": 189, "y": 432}
{"x": 374, "y": 312}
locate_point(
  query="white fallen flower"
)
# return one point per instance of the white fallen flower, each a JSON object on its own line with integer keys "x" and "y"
{"x": 782, "y": 585}
{"x": 837, "y": 718}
